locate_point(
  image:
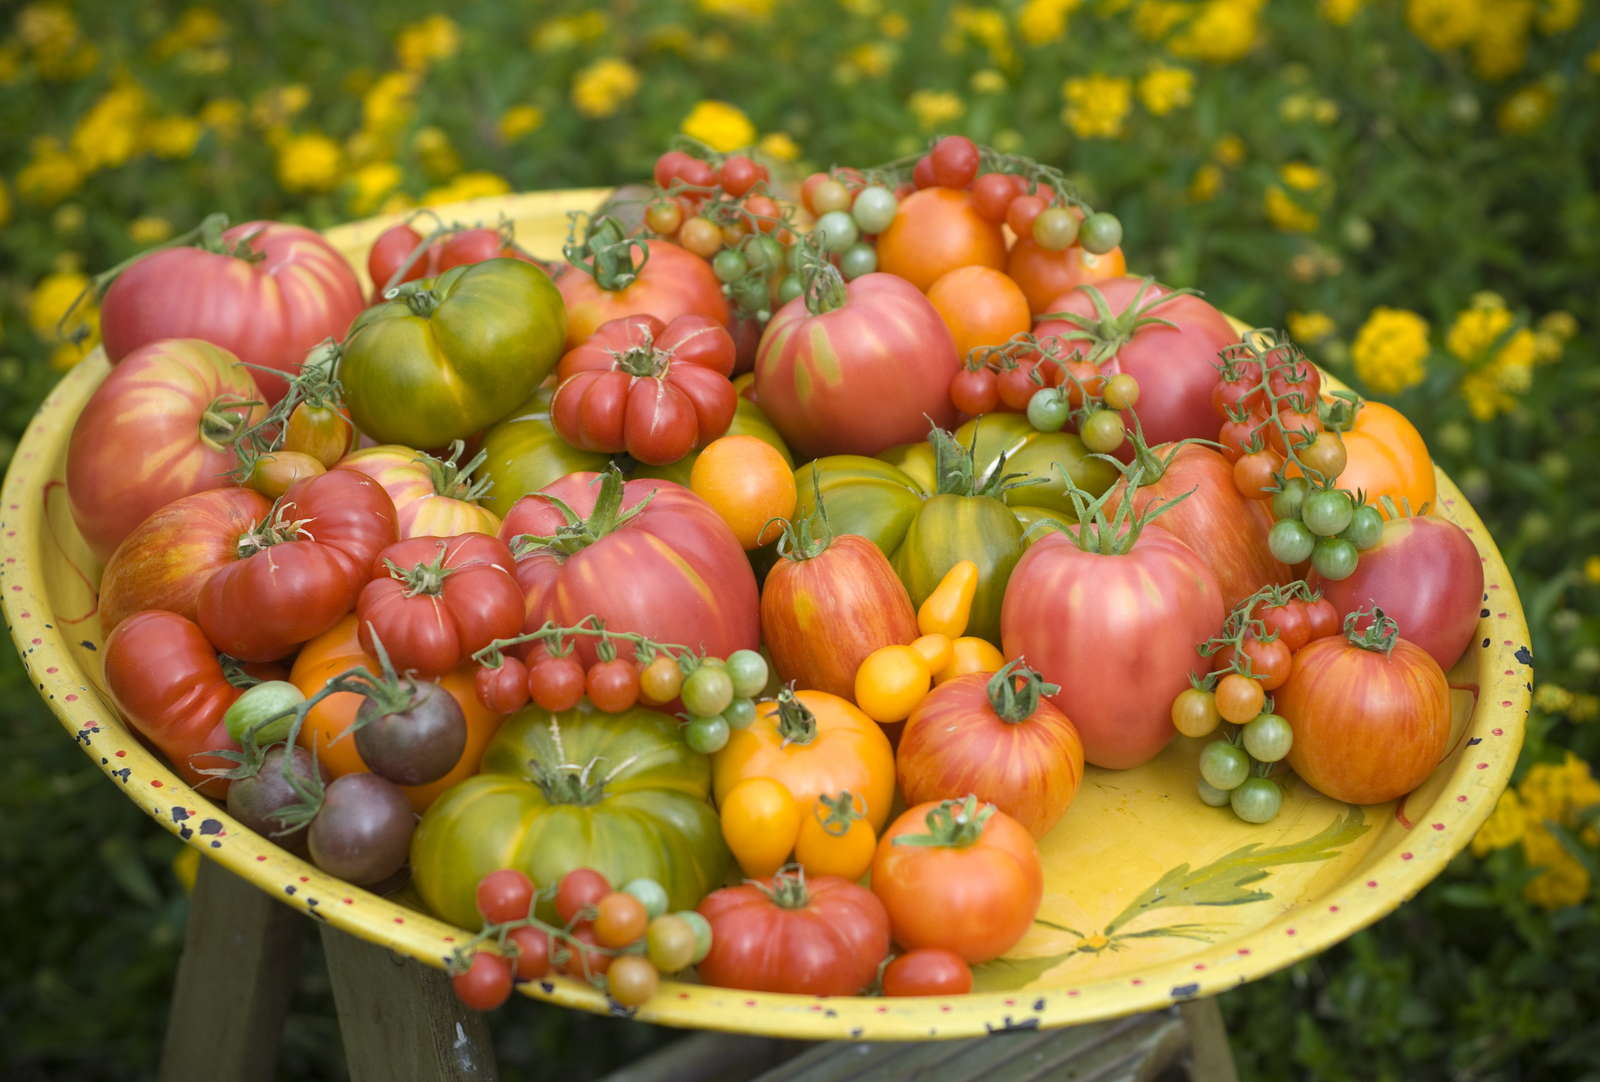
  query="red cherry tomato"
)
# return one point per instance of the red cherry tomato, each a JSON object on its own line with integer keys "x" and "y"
{"x": 505, "y": 895}
{"x": 922, "y": 173}
{"x": 974, "y": 391}
{"x": 613, "y": 686}
{"x": 739, "y": 174}
{"x": 504, "y": 688}
{"x": 992, "y": 194}
{"x": 486, "y": 983}
{"x": 930, "y": 971}
{"x": 580, "y": 889}
{"x": 954, "y": 161}
{"x": 556, "y": 683}
{"x": 1322, "y": 619}
{"x": 1288, "y": 622}
{"x": 533, "y": 952}
{"x": 1022, "y": 211}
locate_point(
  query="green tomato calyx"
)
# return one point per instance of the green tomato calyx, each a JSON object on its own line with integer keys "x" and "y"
{"x": 1379, "y": 634}
{"x": 952, "y": 824}
{"x": 579, "y": 533}
{"x": 796, "y": 723}
{"x": 788, "y": 890}
{"x": 454, "y": 480}
{"x": 1015, "y": 690}
{"x": 1106, "y": 332}
{"x": 607, "y": 254}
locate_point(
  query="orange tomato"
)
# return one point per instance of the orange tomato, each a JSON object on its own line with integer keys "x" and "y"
{"x": 935, "y": 231}
{"x": 338, "y": 649}
{"x": 891, "y": 682}
{"x": 970, "y": 654}
{"x": 835, "y": 838}
{"x": 814, "y": 744}
{"x": 748, "y": 484}
{"x": 1045, "y": 275}
{"x": 981, "y": 306}
{"x": 1387, "y": 457}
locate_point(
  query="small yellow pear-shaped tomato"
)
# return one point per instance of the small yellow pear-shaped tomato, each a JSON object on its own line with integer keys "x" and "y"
{"x": 836, "y": 838}
{"x": 937, "y": 650}
{"x": 946, "y": 610}
{"x": 760, "y": 820}
{"x": 970, "y": 654}
{"x": 891, "y": 682}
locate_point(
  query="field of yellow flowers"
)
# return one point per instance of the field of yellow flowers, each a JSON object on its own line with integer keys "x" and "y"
{"x": 1410, "y": 187}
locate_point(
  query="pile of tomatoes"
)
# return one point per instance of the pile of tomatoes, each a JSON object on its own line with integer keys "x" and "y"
{"x": 821, "y": 534}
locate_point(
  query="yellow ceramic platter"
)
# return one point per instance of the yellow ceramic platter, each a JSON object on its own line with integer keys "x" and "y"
{"x": 1150, "y": 896}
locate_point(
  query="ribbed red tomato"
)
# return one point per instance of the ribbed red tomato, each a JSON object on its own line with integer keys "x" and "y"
{"x": 655, "y": 390}
{"x": 1117, "y": 632}
{"x": 669, "y": 283}
{"x": 435, "y": 601}
{"x": 1226, "y": 529}
{"x": 265, "y": 291}
{"x": 647, "y": 556}
{"x": 299, "y": 569}
{"x": 823, "y": 936}
{"x": 1168, "y": 342}
{"x": 996, "y": 737}
{"x": 856, "y": 368}
{"x": 156, "y": 429}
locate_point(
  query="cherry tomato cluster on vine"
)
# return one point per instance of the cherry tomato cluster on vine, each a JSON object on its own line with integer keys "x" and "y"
{"x": 619, "y": 939}
{"x": 402, "y": 254}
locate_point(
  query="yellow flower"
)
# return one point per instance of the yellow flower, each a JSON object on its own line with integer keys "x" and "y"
{"x": 1221, "y": 32}
{"x": 779, "y": 146}
{"x": 1205, "y": 183}
{"x": 738, "y": 9}
{"x": 520, "y": 120}
{"x": 148, "y": 229}
{"x": 1391, "y": 350}
{"x": 566, "y": 31}
{"x": 1291, "y": 213}
{"x": 894, "y": 25}
{"x": 172, "y": 136}
{"x": 713, "y": 46}
{"x": 1096, "y": 105}
{"x": 1163, "y": 89}
{"x": 1553, "y": 698}
{"x": 987, "y": 81}
{"x": 1504, "y": 827}
{"x": 68, "y": 218}
{"x": 1153, "y": 20}
{"x": 434, "y": 150}
{"x": 1228, "y": 150}
{"x": 1339, "y": 12}
{"x": 1443, "y": 24}
{"x": 50, "y": 175}
{"x": 195, "y": 28}
{"x": 1500, "y": 355}
{"x": 720, "y": 126}
{"x": 600, "y": 88}
{"x": 5, "y": 202}
{"x": 1500, "y": 47}
{"x": 1591, "y": 570}
{"x": 935, "y": 108}
{"x": 1562, "y": 881}
{"x": 309, "y": 163}
{"x": 52, "y": 298}
{"x": 465, "y": 187}
{"x": 275, "y": 106}
{"x": 988, "y": 27}
{"x": 1562, "y": 325}
{"x": 1043, "y": 21}
{"x": 368, "y": 186}
{"x": 1557, "y": 16}
{"x": 418, "y": 45}
{"x": 108, "y": 134}
{"x": 871, "y": 59}
{"x": 225, "y": 116}
{"x": 1585, "y": 707}
{"x": 1309, "y": 327}
{"x": 51, "y": 35}
{"x": 1526, "y": 110}
{"x": 386, "y": 106}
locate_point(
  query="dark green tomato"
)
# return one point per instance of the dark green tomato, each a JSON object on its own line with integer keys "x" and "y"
{"x": 1334, "y": 558}
{"x": 950, "y": 529}
{"x": 729, "y": 265}
{"x": 1100, "y": 232}
{"x": 1365, "y": 529}
{"x": 1257, "y": 800}
{"x": 524, "y": 453}
{"x": 641, "y": 812}
{"x": 1290, "y": 541}
{"x": 862, "y": 496}
{"x": 1327, "y": 511}
{"x": 455, "y": 356}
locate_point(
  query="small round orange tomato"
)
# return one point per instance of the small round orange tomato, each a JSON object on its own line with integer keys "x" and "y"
{"x": 970, "y": 654}
{"x": 981, "y": 306}
{"x": 325, "y": 434}
{"x": 836, "y": 838}
{"x": 936, "y": 230}
{"x": 272, "y": 474}
{"x": 891, "y": 682}
{"x": 748, "y": 484}
{"x": 1045, "y": 275}
{"x": 1239, "y": 698}
{"x": 760, "y": 820}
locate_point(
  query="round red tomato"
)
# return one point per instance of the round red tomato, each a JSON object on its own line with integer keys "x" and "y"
{"x": 833, "y": 372}
{"x": 823, "y": 936}
{"x": 928, "y": 972}
{"x": 159, "y": 427}
{"x": 435, "y": 601}
{"x": 959, "y": 876}
{"x": 670, "y": 283}
{"x": 1174, "y": 356}
{"x": 265, "y": 291}
{"x": 391, "y": 251}
{"x": 1370, "y": 723}
{"x": 647, "y": 556}
{"x": 655, "y": 390}
{"x": 1116, "y": 632}
{"x": 299, "y": 569}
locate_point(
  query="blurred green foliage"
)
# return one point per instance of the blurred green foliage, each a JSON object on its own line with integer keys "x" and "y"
{"x": 1412, "y": 187}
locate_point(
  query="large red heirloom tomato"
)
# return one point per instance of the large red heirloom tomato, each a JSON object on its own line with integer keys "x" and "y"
{"x": 1167, "y": 341}
{"x": 158, "y": 428}
{"x": 1370, "y": 712}
{"x": 1117, "y": 631}
{"x": 647, "y": 556}
{"x": 265, "y": 291}
{"x": 856, "y": 368}
{"x": 655, "y": 390}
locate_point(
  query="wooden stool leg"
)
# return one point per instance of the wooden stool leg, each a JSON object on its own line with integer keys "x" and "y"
{"x": 400, "y": 1019}
{"x": 241, "y": 954}
{"x": 1210, "y": 1057}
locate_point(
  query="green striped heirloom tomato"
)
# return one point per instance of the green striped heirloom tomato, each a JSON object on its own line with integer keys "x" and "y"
{"x": 158, "y": 428}
{"x": 619, "y": 793}
{"x": 264, "y": 291}
{"x": 453, "y": 354}
{"x": 1115, "y": 624}
{"x": 854, "y": 368}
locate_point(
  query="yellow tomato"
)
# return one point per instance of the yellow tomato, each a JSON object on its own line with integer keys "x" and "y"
{"x": 891, "y": 682}
{"x": 748, "y": 483}
{"x": 937, "y": 650}
{"x": 760, "y": 820}
{"x": 836, "y": 838}
{"x": 946, "y": 610}
{"x": 971, "y": 655}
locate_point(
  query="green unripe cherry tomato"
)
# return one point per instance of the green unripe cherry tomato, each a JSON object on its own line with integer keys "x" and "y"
{"x": 1055, "y": 229}
{"x": 1334, "y": 558}
{"x": 1100, "y": 232}
{"x": 708, "y": 690}
{"x": 1290, "y": 541}
{"x": 858, "y": 259}
{"x": 874, "y": 208}
{"x": 670, "y": 942}
{"x": 1256, "y": 800}
{"x": 1365, "y": 529}
{"x": 729, "y": 266}
{"x": 1327, "y": 511}
{"x": 789, "y": 288}
{"x": 1268, "y": 738}
{"x": 1210, "y": 794}
{"x": 702, "y": 934}
{"x": 1224, "y": 765}
{"x": 1288, "y": 500}
{"x": 836, "y": 231}
{"x": 741, "y": 714}
{"x": 1102, "y": 431}
{"x": 763, "y": 253}
{"x": 651, "y": 895}
{"x": 748, "y": 670}
{"x": 271, "y": 705}
{"x": 1048, "y": 409}
{"x": 1121, "y": 391}
{"x": 706, "y": 735}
